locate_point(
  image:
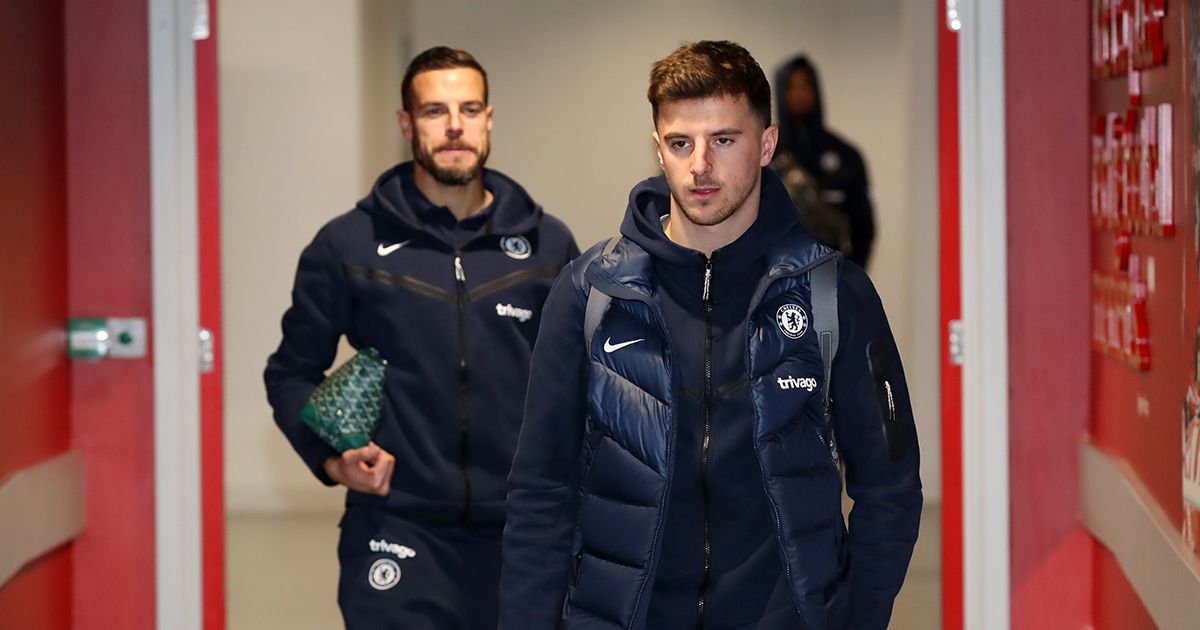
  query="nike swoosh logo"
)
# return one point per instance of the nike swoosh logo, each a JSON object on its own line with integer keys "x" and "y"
{"x": 385, "y": 250}
{"x": 609, "y": 346}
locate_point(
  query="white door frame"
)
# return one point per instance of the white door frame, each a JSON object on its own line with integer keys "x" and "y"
{"x": 986, "y": 590}
{"x": 175, "y": 322}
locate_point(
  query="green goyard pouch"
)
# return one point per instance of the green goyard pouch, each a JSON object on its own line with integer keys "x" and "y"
{"x": 344, "y": 409}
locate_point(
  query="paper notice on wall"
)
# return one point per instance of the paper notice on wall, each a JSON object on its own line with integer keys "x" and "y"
{"x": 1191, "y": 464}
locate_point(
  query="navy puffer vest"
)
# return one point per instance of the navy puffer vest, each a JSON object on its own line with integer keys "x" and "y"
{"x": 630, "y": 436}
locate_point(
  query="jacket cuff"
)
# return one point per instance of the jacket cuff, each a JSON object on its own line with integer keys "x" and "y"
{"x": 314, "y": 453}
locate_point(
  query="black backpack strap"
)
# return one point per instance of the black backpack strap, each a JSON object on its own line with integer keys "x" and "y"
{"x": 597, "y": 302}
{"x": 823, "y": 282}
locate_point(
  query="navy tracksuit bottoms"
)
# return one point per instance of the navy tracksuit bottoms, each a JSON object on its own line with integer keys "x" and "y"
{"x": 397, "y": 573}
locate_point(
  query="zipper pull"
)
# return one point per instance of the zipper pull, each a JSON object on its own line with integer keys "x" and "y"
{"x": 459, "y": 274}
{"x": 891, "y": 402}
{"x": 707, "y": 277}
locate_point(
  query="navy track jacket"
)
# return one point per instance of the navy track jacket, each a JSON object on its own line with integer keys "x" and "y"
{"x": 596, "y": 467}
{"x": 456, "y": 325}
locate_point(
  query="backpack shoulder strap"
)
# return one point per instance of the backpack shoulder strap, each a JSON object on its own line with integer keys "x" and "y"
{"x": 597, "y": 302}
{"x": 823, "y": 282}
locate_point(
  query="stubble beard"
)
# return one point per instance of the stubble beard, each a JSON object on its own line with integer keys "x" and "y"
{"x": 721, "y": 214}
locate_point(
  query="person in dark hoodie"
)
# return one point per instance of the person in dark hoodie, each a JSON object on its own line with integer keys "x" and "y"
{"x": 825, "y": 175}
{"x": 676, "y": 467}
{"x": 443, "y": 268}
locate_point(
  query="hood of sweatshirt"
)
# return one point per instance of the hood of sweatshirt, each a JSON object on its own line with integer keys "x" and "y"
{"x": 511, "y": 212}
{"x": 650, "y": 200}
{"x": 783, "y": 79}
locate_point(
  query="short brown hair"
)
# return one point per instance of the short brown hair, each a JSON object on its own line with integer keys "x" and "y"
{"x": 438, "y": 58}
{"x": 710, "y": 68}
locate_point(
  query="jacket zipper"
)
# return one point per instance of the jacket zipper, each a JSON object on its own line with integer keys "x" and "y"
{"x": 705, "y": 446}
{"x": 460, "y": 281}
{"x": 462, "y": 297}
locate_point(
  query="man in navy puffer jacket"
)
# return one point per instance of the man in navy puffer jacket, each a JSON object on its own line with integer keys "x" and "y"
{"x": 678, "y": 471}
{"x": 443, "y": 269}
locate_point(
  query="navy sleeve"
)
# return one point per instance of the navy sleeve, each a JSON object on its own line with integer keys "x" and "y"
{"x": 877, "y": 438}
{"x": 543, "y": 484}
{"x": 311, "y": 329}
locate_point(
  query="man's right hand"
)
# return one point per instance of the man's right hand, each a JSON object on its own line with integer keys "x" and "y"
{"x": 367, "y": 469}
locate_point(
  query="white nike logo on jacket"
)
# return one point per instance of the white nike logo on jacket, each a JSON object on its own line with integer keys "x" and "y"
{"x": 609, "y": 346}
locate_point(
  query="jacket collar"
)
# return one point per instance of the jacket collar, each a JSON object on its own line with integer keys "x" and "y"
{"x": 512, "y": 210}
{"x": 627, "y": 271}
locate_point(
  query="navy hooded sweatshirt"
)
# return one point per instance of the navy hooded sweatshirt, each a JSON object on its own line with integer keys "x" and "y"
{"x": 454, "y": 307}
{"x": 837, "y": 166}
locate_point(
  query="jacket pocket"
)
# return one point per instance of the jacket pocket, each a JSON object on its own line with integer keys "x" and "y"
{"x": 591, "y": 440}
{"x": 572, "y": 582}
{"x": 833, "y": 611}
{"x": 825, "y": 436}
{"x": 883, "y": 381}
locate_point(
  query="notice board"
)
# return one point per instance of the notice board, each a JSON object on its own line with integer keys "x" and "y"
{"x": 1145, "y": 148}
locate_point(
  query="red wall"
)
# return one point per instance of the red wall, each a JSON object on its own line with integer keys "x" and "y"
{"x": 1047, "y": 69}
{"x": 1149, "y": 442}
{"x": 1115, "y": 604}
{"x": 108, "y": 236}
{"x": 33, "y": 283}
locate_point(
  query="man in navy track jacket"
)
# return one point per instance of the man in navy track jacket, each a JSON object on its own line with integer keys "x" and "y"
{"x": 443, "y": 268}
{"x": 677, "y": 467}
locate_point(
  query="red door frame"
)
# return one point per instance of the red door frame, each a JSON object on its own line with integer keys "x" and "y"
{"x": 208, "y": 188}
{"x": 951, "y": 310}
{"x": 108, "y": 184}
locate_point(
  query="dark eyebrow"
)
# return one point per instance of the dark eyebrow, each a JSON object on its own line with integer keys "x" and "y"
{"x": 444, "y": 104}
{"x": 720, "y": 132}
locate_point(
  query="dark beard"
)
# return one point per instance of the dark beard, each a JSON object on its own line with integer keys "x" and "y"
{"x": 449, "y": 176}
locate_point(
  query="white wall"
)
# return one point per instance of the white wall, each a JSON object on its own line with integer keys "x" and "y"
{"x": 920, "y": 342}
{"x": 308, "y": 88}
